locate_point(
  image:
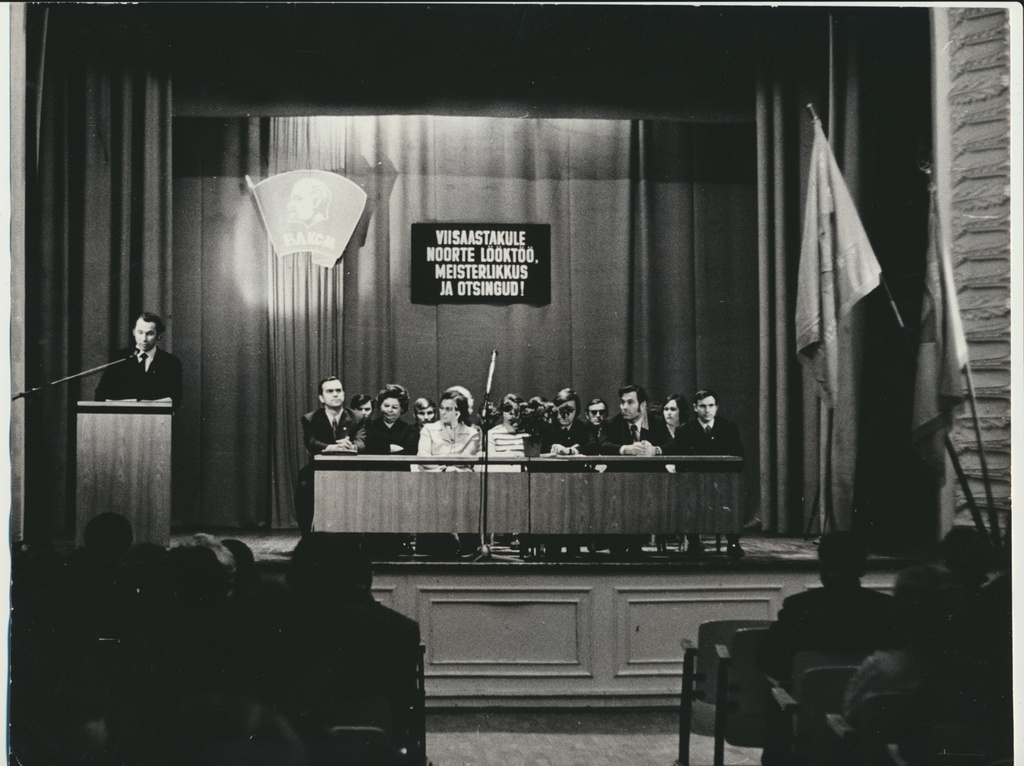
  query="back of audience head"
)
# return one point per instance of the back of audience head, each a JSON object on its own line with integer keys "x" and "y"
{"x": 323, "y": 564}
{"x": 966, "y": 553}
{"x": 144, "y": 579}
{"x": 842, "y": 557}
{"x": 247, "y": 576}
{"x": 108, "y": 536}
{"x": 202, "y": 570}
{"x": 932, "y": 608}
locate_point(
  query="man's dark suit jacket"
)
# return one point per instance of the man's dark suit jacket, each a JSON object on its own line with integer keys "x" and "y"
{"x": 841, "y": 618}
{"x": 723, "y": 440}
{"x": 379, "y": 437}
{"x": 130, "y": 380}
{"x": 580, "y": 433}
{"x": 348, "y": 660}
{"x": 317, "y": 434}
{"x": 616, "y": 433}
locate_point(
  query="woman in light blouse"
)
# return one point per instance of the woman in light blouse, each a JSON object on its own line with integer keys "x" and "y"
{"x": 504, "y": 439}
{"x": 451, "y": 435}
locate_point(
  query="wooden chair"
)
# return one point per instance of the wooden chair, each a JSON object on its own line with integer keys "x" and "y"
{"x": 817, "y": 692}
{"x": 700, "y": 673}
{"x": 411, "y": 725}
{"x": 742, "y": 693}
{"x": 882, "y": 719}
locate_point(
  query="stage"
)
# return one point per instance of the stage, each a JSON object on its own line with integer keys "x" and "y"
{"x": 591, "y": 631}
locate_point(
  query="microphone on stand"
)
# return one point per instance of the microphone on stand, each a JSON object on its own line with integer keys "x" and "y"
{"x": 30, "y": 391}
{"x": 484, "y": 552}
{"x": 490, "y": 373}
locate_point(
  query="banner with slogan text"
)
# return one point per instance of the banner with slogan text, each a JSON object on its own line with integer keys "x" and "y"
{"x": 481, "y": 263}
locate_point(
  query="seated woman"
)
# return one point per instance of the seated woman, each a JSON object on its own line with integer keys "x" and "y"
{"x": 505, "y": 439}
{"x": 388, "y": 434}
{"x": 451, "y": 435}
{"x": 663, "y": 432}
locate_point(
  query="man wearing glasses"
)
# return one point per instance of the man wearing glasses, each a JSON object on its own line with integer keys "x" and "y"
{"x": 597, "y": 415}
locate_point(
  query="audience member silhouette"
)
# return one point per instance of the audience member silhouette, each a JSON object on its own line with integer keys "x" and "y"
{"x": 842, "y": 616}
{"x": 348, "y": 659}
{"x": 947, "y": 701}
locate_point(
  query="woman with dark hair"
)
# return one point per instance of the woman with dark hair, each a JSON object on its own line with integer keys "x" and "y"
{"x": 362, "y": 407}
{"x": 673, "y": 413}
{"x": 451, "y": 435}
{"x": 388, "y": 434}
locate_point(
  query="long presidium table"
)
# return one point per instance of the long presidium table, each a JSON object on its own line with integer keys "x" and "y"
{"x": 545, "y": 495}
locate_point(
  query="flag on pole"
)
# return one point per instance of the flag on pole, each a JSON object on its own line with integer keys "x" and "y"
{"x": 310, "y": 211}
{"x": 837, "y": 266}
{"x": 942, "y": 353}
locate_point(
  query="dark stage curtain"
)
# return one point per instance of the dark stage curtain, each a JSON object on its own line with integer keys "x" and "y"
{"x": 868, "y": 79}
{"x": 98, "y": 246}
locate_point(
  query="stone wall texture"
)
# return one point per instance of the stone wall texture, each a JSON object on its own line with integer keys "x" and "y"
{"x": 979, "y": 103}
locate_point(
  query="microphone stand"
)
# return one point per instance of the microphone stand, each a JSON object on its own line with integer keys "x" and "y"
{"x": 484, "y": 552}
{"x": 23, "y": 394}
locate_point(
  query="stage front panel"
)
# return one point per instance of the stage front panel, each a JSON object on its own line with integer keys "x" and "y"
{"x": 542, "y": 497}
{"x": 397, "y": 501}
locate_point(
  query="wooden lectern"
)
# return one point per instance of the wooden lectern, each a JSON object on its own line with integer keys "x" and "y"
{"x": 124, "y": 466}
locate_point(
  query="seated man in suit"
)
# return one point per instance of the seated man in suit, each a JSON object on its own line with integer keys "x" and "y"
{"x": 147, "y": 373}
{"x": 330, "y": 428}
{"x": 625, "y": 435}
{"x": 708, "y": 434}
{"x": 570, "y": 434}
{"x": 842, "y": 616}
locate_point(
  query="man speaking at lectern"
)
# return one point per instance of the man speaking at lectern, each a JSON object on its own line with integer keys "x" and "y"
{"x": 146, "y": 373}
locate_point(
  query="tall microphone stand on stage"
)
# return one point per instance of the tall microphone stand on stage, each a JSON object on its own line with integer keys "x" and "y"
{"x": 484, "y": 552}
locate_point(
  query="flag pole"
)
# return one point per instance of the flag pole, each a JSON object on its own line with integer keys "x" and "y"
{"x": 951, "y": 450}
{"x": 961, "y": 476}
{"x": 993, "y": 519}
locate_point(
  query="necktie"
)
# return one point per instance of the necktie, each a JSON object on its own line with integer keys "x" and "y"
{"x": 635, "y": 432}
{"x": 334, "y": 427}
{"x": 142, "y": 359}
{"x": 707, "y": 431}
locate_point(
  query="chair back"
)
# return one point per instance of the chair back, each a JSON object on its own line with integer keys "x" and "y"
{"x": 748, "y": 691}
{"x": 708, "y": 635}
{"x": 807, "y": 659}
{"x": 820, "y": 691}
